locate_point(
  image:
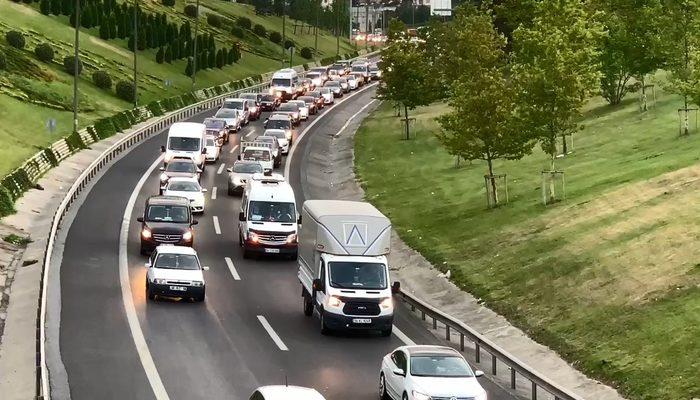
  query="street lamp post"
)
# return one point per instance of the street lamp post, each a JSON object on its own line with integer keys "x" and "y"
{"x": 136, "y": 37}
{"x": 284, "y": 28}
{"x": 318, "y": 8}
{"x": 337, "y": 27}
{"x": 194, "y": 48}
{"x": 76, "y": 65}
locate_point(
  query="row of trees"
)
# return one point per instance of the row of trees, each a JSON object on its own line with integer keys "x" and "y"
{"x": 335, "y": 18}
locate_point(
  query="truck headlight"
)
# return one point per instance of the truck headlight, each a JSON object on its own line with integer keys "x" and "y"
{"x": 334, "y": 301}
{"x": 292, "y": 238}
{"x": 387, "y": 303}
{"x": 288, "y": 134}
{"x": 146, "y": 233}
{"x": 159, "y": 281}
{"x": 253, "y": 237}
{"x": 420, "y": 396}
{"x": 197, "y": 283}
{"x": 187, "y": 236}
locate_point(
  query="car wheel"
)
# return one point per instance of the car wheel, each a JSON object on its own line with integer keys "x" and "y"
{"x": 294, "y": 256}
{"x": 383, "y": 395}
{"x": 200, "y": 298}
{"x": 230, "y": 191}
{"x": 307, "y": 304}
{"x": 149, "y": 293}
{"x": 386, "y": 332}
{"x": 324, "y": 328}
{"x": 405, "y": 396}
{"x": 143, "y": 251}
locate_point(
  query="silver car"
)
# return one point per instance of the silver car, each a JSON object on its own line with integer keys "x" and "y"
{"x": 240, "y": 174}
{"x": 281, "y": 137}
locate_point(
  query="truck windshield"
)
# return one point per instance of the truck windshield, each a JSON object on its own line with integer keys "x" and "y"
{"x": 357, "y": 275}
{"x": 184, "y": 144}
{"x": 281, "y": 82}
{"x": 271, "y": 211}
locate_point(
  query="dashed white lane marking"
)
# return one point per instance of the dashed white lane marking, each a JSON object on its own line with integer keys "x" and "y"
{"x": 402, "y": 337}
{"x": 249, "y": 134}
{"x": 233, "y": 149}
{"x": 213, "y": 193}
{"x": 217, "y": 228}
{"x": 221, "y": 168}
{"x": 353, "y": 117}
{"x": 144, "y": 353}
{"x": 232, "y": 268}
{"x": 275, "y": 337}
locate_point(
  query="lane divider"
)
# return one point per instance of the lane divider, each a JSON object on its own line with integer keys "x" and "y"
{"x": 353, "y": 117}
{"x": 232, "y": 268}
{"x": 221, "y": 168}
{"x": 249, "y": 134}
{"x": 213, "y": 192}
{"x": 402, "y": 336}
{"x": 233, "y": 149}
{"x": 217, "y": 228}
{"x": 275, "y": 337}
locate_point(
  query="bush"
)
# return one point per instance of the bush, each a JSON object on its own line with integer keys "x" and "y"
{"x": 306, "y": 52}
{"x": 191, "y": 10}
{"x": 3, "y": 61}
{"x": 168, "y": 3}
{"x": 102, "y": 80}
{"x": 275, "y": 37}
{"x": 7, "y": 206}
{"x": 160, "y": 56}
{"x": 44, "y": 52}
{"x": 69, "y": 65}
{"x": 288, "y": 44}
{"x": 126, "y": 90}
{"x": 238, "y": 32}
{"x": 15, "y": 39}
{"x": 244, "y": 22}
{"x": 215, "y": 20}
{"x": 260, "y": 30}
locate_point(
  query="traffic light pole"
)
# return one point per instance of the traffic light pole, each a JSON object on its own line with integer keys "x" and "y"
{"x": 76, "y": 65}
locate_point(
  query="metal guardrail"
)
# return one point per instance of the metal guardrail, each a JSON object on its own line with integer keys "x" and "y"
{"x": 481, "y": 344}
{"x": 43, "y": 390}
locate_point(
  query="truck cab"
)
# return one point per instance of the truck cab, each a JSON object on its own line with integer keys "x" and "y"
{"x": 343, "y": 267}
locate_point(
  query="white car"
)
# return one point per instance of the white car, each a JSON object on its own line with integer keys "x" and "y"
{"x": 426, "y": 373}
{"x": 327, "y": 94}
{"x": 188, "y": 188}
{"x": 240, "y": 105}
{"x": 281, "y": 136}
{"x": 352, "y": 82}
{"x": 284, "y": 392}
{"x": 261, "y": 153}
{"x": 175, "y": 271}
{"x": 303, "y": 109}
{"x": 232, "y": 117}
{"x": 213, "y": 149}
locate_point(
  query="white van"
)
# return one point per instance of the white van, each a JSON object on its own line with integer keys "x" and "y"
{"x": 361, "y": 67}
{"x": 268, "y": 217}
{"x": 286, "y": 84}
{"x": 186, "y": 139}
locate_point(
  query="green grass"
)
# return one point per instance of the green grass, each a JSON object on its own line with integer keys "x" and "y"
{"x": 608, "y": 277}
{"x": 32, "y": 92}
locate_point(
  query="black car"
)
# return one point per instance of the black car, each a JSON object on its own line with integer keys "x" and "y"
{"x": 268, "y": 102}
{"x": 166, "y": 220}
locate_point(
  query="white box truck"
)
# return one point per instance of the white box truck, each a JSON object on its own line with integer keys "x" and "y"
{"x": 343, "y": 267}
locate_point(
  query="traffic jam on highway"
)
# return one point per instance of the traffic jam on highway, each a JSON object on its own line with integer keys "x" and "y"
{"x": 340, "y": 247}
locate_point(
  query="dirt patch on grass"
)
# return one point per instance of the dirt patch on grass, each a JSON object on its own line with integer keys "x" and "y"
{"x": 109, "y": 47}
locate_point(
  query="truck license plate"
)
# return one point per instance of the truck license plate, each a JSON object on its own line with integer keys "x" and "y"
{"x": 268, "y": 250}
{"x": 178, "y": 288}
{"x": 361, "y": 321}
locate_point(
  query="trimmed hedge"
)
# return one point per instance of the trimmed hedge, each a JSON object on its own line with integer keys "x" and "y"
{"x": 7, "y": 204}
{"x": 75, "y": 142}
{"x": 306, "y": 52}
{"x": 244, "y": 22}
{"x": 102, "y": 80}
{"x": 275, "y": 37}
{"x": 191, "y": 10}
{"x": 126, "y": 90}
{"x": 50, "y": 157}
{"x": 44, "y": 52}
{"x": 260, "y": 30}
{"x": 215, "y": 20}
{"x": 69, "y": 65}
{"x": 15, "y": 39}
{"x": 155, "y": 108}
{"x": 3, "y": 61}
{"x": 238, "y": 32}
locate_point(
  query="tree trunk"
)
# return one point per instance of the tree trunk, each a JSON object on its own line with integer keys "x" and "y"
{"x": 405, "y": 114}
{"x": 563, "y": 145}
{"x": 551, "y": 194}
{"x": 492, "y": 179}
{"x": 644, "y": 95}
{"x": 686, "y": 129}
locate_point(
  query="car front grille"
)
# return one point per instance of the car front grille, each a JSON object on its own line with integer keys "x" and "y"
{"x": 452, "y": 398}
{"x": 178, "y": 282}
{"x": 163, "y": 238}
{"x": 272, "y": 236}
{"x": 361, "y": 308}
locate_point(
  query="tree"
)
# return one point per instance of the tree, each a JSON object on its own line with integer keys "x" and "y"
{"x": 45, "y": 7}
{"x": 224, "y": 56}
{"x": 219, "y": 59}
{"x": 556, "y": 69}
{"x": 234, "y": 54}
{"x": 480, "y": 125}
{"x": 56, "y": 7}
{"x": 189, "y": 69}
{"x": 168, "y": 55}
{"x": 104, "y": 31}
{"x": 211, "y": 59}
{"x": 64, "y": 7}
{"x": 404, "y": 77}
{"x": 160, "y": 55}
{"x": 396, "y": 30}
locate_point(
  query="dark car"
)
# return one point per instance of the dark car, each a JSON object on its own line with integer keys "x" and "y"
{"x": 166, "y": 220}
{"x": 335, "y": 87}
{"x": 269, "y": 102}
{"x": 183, "y": 167}
{"x": 319, "y": 98}
{"x": 281, "y": 122}
{"x": 217, "y": 128}
{"x": 311, "y": 103}
{"x": 255, "y": 109}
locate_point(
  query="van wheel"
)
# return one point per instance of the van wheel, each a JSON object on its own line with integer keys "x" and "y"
{"x": 308, "y": 304}
{"x": 200, "y": 298}
{"x": 324, "y": 328}
{"x": 386, "y": 332}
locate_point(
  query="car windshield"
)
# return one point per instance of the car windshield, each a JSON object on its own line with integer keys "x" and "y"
{"x": 184, "y": 186}
{"x": 359, "y": 68}
{"x": 281, "y": 82}
{"x": 226, "y": 113}
{"x": 256, "y": 155}
{"x": 234, "y": 104}
{"x": 440, "y": 366}
{"x": 183, "y": 144}
{"x": 357, "y": 275}
{"x": 373, "y": 68}
{"x": 307, "y": 99}
{"x": 313, "y": 75}
{"x": 332, "y": 83}
{"x": 325, "y": 90}
{"x": 271, "y": 211}
{"x": 214, "y": 124}
{"x": 163, "y": 213}
{"x": 177, "y": 261}
{"x": 276, "y": 134}
{"x": 250, "y": 96}
{"x": 277, "y": 124}
{"x": 179, "y": 166}
{"x": 210, "y": 142}
{"x": 267, "y": 97}
{"x": 288, "y": 107}
{"x": 247, "y": 168}
{"x": 265, "y": 139}
{"x": 314, "y": 94}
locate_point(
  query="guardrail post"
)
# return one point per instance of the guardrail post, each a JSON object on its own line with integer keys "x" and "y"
{"x": 512, "y": 378}
{"x": 434, "y": 323}
{"x": 461, "y": 342}
{"x": 422, "y": 315}
{"x": 477, "y": 353}
{"x": 493, "y": 364}
{"x": 447, "y": 333}
{"x": 534, "y": 390}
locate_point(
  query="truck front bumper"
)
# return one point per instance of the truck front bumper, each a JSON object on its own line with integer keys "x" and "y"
{"x": 345, "y": 322}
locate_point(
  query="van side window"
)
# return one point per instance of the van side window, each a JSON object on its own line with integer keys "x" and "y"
{"x": 257, "y": 396}
{"x": 322, "y": 273}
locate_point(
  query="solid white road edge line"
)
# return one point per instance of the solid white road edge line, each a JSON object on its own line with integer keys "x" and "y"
{"x": 231, "y": 268}
{"x": 275, "y": 337}
{"x": 402, "y": 337}
{"x": 320, "y": 117}
{"x": 221, "y": 168}
{"x": 233, "y": 149}
{"x": 217, "y": 228}
{"x": 353, "y": 117}
{"x": 147, "y": 362}
{"x": 213, "y": 192}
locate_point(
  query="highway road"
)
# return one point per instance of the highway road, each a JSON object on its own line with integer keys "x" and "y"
{"x": 250, "y": 331}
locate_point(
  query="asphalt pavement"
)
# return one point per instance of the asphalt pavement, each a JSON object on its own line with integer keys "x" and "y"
{"x": 249, "y": 332}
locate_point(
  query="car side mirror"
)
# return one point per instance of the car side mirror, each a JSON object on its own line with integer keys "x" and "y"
{"x": 399, "y": 372}
{"x": 162, "y": 168}
{"x": 299, "y": 220}
{"x": 241, "y": 216}
{"x": 318, "y": 285}
{"x": 478, "y": 373}
{"x": 162, "y": 149}
{"x": 139, "y": 219}
{"x": 396, "y": 287}
{"x": 195, "y": 222}
{"x": 239, "y": 157}
{"x": 204, "y": 150}
{"x": 205, "y": 268}
{"x": 204, "y": 190}
{"x": 229, "y": 169}
{"x": 147, "y": 264}
{"x": 199, "y": 170}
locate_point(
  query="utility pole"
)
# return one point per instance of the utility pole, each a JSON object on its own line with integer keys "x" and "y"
{"x": 413, "y": 13}
{"x": 136, "y": 41}
{"x": 194, "y": 48}
{"x": 76, "y": 65}
{"x": 284, "y": 27}
{"x": 318, "y": 8}
{"x": 350, "y": 20}
{"x": 337, "y": 27}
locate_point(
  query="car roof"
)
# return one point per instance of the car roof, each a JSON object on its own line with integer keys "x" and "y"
{"x": 425, "y": 350}
{"x": 170, "y": 249}
{"x": 274, "y": 130}
{"x": 186, "y": 129}
{"x": 167, "y": 200}
{"x": 246, "y": 162}
{"x": 182, "y": 179}
{"x": 283, "y": 392}
{"x": 182, "y": 159}
{"x": 263, "y": 189}
{"x": 280, "y": 116}
{"x": 264, "y": 138}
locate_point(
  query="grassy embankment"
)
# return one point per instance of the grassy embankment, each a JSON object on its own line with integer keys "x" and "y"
{"x": 32, "y": 92}
{"x": 610, "y": 277}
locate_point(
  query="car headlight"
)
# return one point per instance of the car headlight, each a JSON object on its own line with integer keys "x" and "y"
{"x": 288, "y": 134}
{"x": 292, "y": 238}
{"x": 387, "y": 303}
{"x": 197, "y": 283}
{"x": 253, "y": 109}
{"x": 187, "y": 236}
{"x": 146, "y": 233}
{"x": 420, "y": 396}
{"x": 253, "y": 237}
{"x": 334, "y": 301}
{"x": 159, "y": 281}
{"x": 164, "y": 177}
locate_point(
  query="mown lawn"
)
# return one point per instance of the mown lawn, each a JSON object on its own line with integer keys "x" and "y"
{"x": 609, "y": 277}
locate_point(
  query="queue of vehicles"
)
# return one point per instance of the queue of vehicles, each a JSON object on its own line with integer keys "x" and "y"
{"x": 341, "y": 247}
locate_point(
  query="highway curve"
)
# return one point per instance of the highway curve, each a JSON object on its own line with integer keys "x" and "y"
{"x": 218, "y": 349}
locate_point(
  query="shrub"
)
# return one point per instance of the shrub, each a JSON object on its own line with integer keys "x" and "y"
{"x": 69, "y": 65}
{"x": 126, "y": 90}
{"x": 168, "y": 3}
{"x": 215, "y": 20}
{"x": 306, "y": 52}
{"x": 260, "y": 30}
{"x": 50, "y": 156}
{"x": 288, "y": 44}
{"x": 275, "y": 37}
{"x": 102, "y": 80}
{"x": 44, "y": 52}
{"x": 15, "y": 39}
{"x": 45, "y": 7}
{"x": 7, "y": 206}
{"x": 160, "y": 56}
{"x": 238, "y": 32}
{"x": 3, "y": 61}
{"x": 244, "y": 22}
{"x": 191, "y": 10}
